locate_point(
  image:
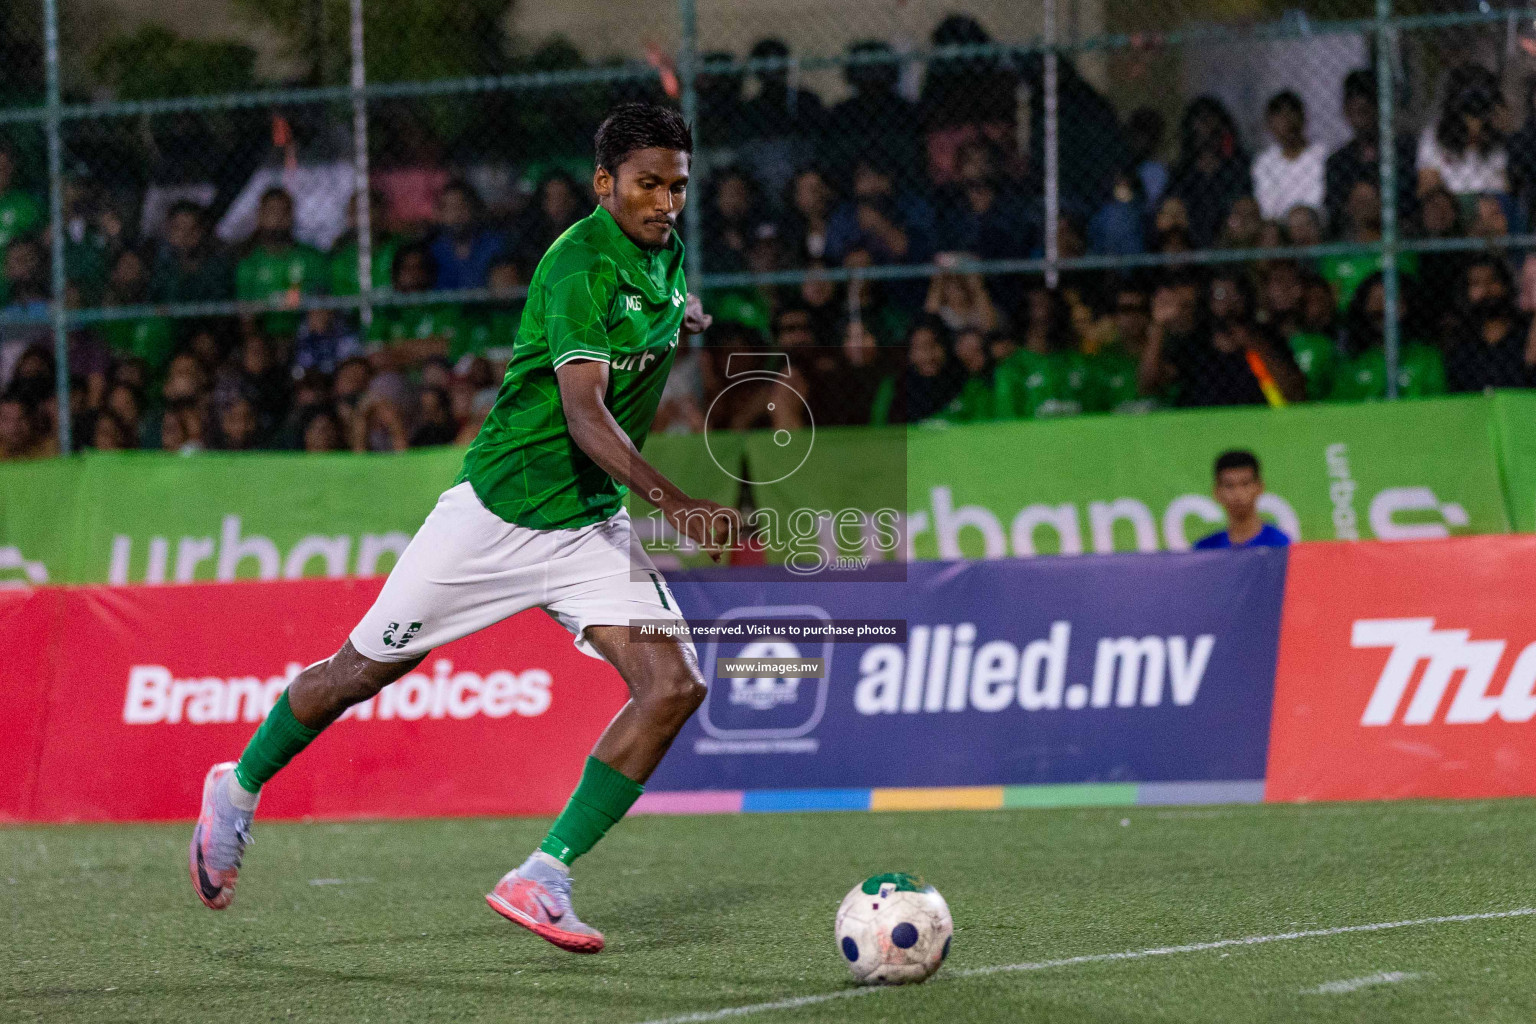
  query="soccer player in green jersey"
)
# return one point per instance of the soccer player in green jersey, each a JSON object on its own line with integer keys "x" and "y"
{"x": 536, "y": 519}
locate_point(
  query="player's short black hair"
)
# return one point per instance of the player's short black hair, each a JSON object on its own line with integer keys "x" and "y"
{"x": 635, "y": 126}
{"x": 1237, "y": 458}
{"x": 1285, "y": 100}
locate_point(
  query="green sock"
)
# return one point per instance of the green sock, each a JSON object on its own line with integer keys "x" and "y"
{"x": 602, "y": 797}
{"x": 280, "y": 737}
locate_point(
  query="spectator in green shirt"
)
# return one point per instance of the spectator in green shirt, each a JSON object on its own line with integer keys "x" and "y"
{"x": 344, "y": 266}
{"x": 278, "y": 268}
{"x": 150, "y": 338}
{"x": 1112, "y": 370}
{"x": 21, "y": 213}
{"x": 1049, "y": 375}
{"x": 1362, "y": 374}
{"x": 1362, "y": 226}
{"x": 93, "y": 233}
{"x": 1284, "y": 309}
{"x": 977, "y": 397}
{"x": 490, "y": 330}
{"x": 412, "y": 334}
{"x": 189, "y": 267}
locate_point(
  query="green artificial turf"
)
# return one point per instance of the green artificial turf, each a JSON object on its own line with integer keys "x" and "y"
{"x": 386, "y": 922}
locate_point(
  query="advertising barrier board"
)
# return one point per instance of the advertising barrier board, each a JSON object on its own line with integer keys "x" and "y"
{"x": 1394, "y": 670}
{"x": 1131, "y": 668}
{"x": 1406, "y": 671}
{"x": 149, "y": 686}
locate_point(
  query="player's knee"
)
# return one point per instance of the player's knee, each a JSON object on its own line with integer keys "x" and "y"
{"x": 679, "y": 694}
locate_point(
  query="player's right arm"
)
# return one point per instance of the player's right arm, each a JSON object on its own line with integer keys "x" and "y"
{"x": 583, "y": 384}
{"x": 580, "y": 297}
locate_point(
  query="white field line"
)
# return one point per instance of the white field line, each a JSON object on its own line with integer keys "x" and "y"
{"x": 1340, "y": 988}
{"x": 1097, "y": 958}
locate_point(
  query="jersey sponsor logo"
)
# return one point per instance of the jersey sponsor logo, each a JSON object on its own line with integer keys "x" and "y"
{"x": 631, "y": 303}
{"x": 634, "y": 361}
{"x": 1445, "y": 654}
{"x": 405, "y": 638}
{"x": 155, "y": 696}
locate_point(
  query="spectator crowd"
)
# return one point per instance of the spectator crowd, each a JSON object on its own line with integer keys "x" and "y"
{"x": 798, "y": 184}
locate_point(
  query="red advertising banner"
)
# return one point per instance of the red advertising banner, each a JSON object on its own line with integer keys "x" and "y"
{"x": 1406, "y": 670}
{"x": 27, "y": 622}
{"x": 151, "y": 685}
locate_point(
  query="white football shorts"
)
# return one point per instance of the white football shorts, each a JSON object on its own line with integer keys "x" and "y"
{"x": 467, "y": 568}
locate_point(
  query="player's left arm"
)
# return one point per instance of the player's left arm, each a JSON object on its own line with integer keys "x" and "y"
{"x": 583, "y": 384}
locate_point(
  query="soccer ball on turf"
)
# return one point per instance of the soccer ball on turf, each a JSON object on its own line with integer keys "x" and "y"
{"x": 893, "y": 930}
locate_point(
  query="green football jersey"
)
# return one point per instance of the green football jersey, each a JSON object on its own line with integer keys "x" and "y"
{"x": 1420, "y": 373}
{"x": 1346, "y": 273}
{"x": 403, "y": 323}
{"x": 746, "y": 306}
{"x": 1315, "y": 356}
{"x": 973, "y": 404}
{"x": 343, "y": 262}
{"x": 288, "y": 273}
{"x": 1112, "y": 385}
{"x": 150, "y": 338}
{"x": 1030, "y": 385}
{"x": 595, "y": 295}
{"x": 488, "y": 332}
{"x": 21, "y": 213}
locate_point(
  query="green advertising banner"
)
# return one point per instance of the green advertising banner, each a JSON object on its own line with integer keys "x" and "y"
{"x": 147, "y": 517}
{"x": 1515, "y": 430}
{"x": 1099, "y": 484}
{"x": 1428, "y": 468}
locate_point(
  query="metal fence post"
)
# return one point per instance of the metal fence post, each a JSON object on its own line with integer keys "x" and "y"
{"x": 361, "y": 195}
{"x": 688, "y": 74}
{"x": 56, "y": 220}
{"x": 1387, "y": 151}
{"x": 1051, "y": 88}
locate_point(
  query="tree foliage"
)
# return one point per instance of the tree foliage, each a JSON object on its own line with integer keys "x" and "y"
{"x": 407, "y": 40}
{"x": 154, "y": 63}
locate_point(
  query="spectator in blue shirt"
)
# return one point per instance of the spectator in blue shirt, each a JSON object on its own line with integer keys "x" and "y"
{"x": 1238, "y": 486}
{"x": 892, "y": 225}
{"x": 463, "y": 248}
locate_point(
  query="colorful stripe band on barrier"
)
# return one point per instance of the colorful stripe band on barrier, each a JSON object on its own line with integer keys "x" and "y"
{"x": 952, "y": 798}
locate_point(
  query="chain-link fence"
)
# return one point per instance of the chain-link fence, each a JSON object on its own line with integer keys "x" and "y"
{"x": 1009, "y": 210}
